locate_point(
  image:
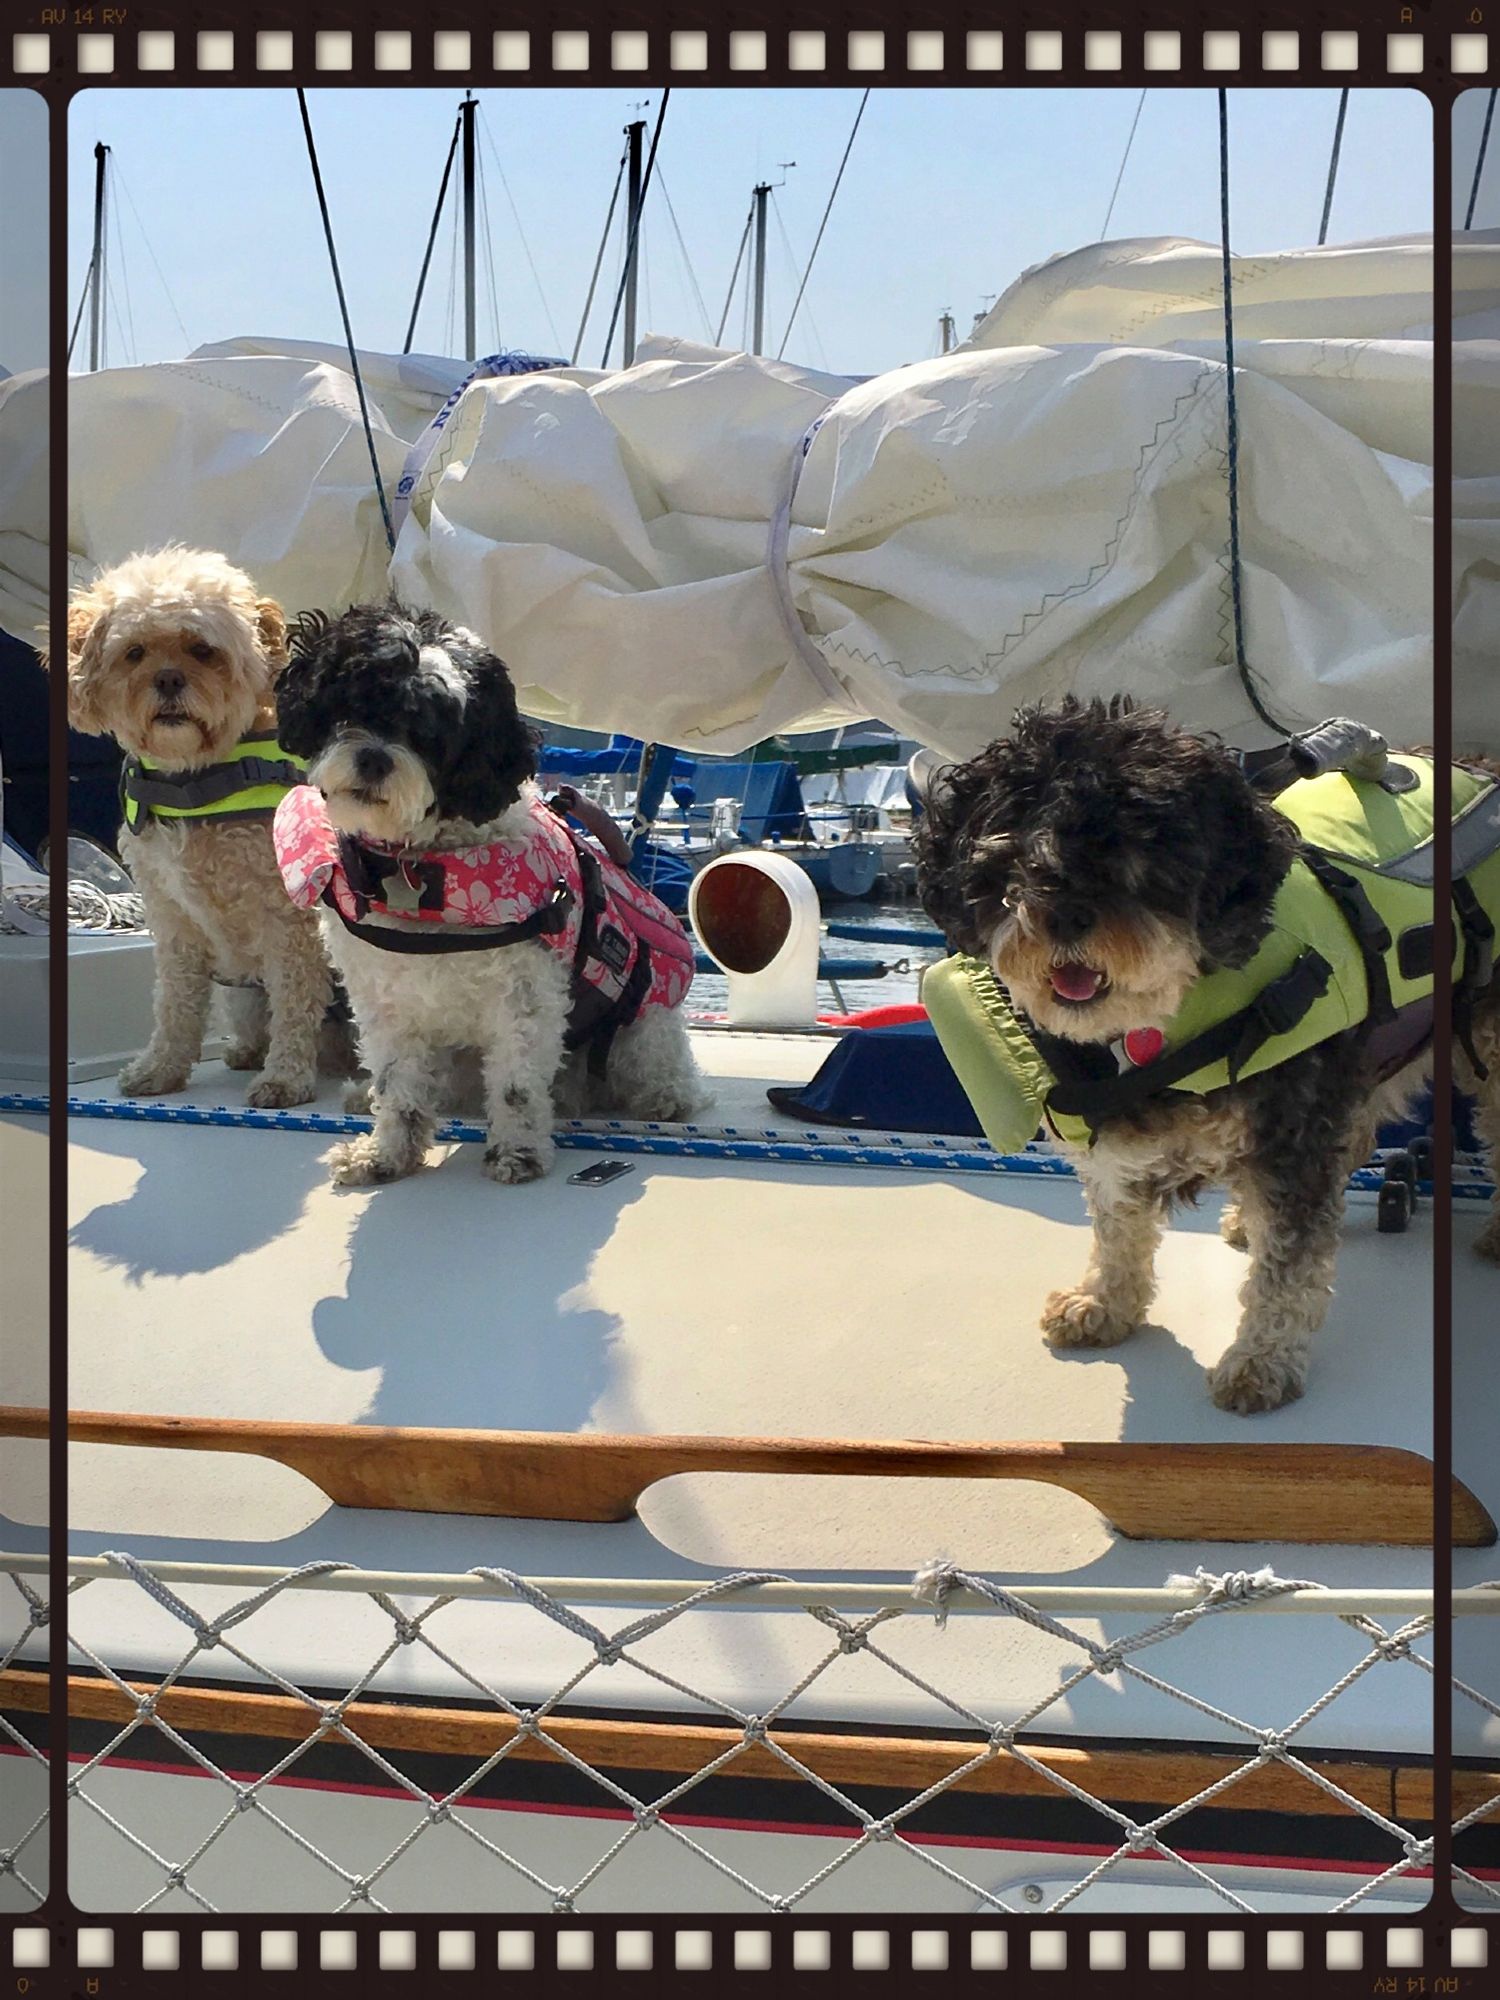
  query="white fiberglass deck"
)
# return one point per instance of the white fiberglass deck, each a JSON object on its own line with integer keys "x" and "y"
{"x": 216, "y": 1273}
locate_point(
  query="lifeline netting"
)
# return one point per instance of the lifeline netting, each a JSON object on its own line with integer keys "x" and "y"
{"x": 221, "y": 1643}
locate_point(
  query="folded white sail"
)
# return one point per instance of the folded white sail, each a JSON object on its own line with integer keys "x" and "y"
{"x": 1044, "y": 509}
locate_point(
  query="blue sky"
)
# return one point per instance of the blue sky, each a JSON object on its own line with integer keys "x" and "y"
{"x": 949, "y": 196}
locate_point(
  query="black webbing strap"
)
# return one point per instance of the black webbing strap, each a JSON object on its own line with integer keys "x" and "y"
{"x": 545, "y": 921}
{"x": 1478, "y": 970}
{"x": 1371, "y": 933}
{"x": 597, "y": 1031}
{"x": 1276, "y": 1010}
{"x": 184, "y": 791}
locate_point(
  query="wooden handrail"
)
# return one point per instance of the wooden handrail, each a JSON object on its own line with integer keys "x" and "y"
{"x": 1288, "y": 1493}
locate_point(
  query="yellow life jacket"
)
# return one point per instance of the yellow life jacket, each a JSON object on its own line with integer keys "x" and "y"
{"x": 1349, "y": 949}
{"x": 249, "y": 783}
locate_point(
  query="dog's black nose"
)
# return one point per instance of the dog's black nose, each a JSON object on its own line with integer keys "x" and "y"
{"x": 1068, "y": 922}
{"x": 372, "y": 763}
{"x": 169, "y": 683}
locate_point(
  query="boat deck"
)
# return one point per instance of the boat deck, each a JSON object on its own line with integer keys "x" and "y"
{"x": 215, "y": 1272}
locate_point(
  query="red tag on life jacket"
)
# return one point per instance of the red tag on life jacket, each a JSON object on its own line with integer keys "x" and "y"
{"x": 1144, "y": 1045}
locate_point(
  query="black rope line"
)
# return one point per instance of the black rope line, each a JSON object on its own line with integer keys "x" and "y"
{"x": 333, "y": 258}
{"x": 833, "y": 196}
{"x": 588, "y": 304}
{"x": 1333, "y": 166}
{"x": 635, "y": 230}
{"x": 1484, "y": 140}
{"x": 437, "y": 213}
{"x": 1242, "y": 665}
{"x": 1140, "y": 105}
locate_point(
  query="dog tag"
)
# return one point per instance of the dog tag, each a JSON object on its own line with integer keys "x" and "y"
{"x": 1143, "y": 1045}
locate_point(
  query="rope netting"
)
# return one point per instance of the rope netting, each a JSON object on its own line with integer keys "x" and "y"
{"x": 221, "y": 1647}
{"x": 18, "y": 1848}
{"x": 1469, "y": 1887}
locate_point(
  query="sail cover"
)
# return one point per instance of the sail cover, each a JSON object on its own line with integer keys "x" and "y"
{"x": 709, "y": 547}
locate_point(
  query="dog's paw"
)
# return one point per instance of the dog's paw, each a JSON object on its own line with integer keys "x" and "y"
{"x": 245, "y": 1055}
{"x": 1232, "y": 1227}
{"x": 143, "y": 1078}
{"x": 1079, "y": 1319}
{"x": 1249, "y": 1383}
{"x": 277, "y": 1093}
{"x": 1487, "y": 1242}
{"x": 361, "y": 1162}
{"x": 359, "y": 1097}
{"x": 511, "y": 1164}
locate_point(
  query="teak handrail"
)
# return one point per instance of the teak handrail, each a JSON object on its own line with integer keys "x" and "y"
{"x": 1289, "y": 1493}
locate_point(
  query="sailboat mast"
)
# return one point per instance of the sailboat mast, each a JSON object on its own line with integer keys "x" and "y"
{"x": 945, "y": 322}
{"x": 632, "y": 233}
{"x": 96, "y": 289}
{"x": 757, "y": 345}
{"x": 471, "y": 337}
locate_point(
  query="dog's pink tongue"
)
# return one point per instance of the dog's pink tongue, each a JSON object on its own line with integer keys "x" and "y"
{"x": 1076, "y": 982}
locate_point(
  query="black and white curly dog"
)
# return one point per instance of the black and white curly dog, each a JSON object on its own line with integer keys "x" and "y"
{"x": 412, "y": 733}
{"x": 1098, "y": 860}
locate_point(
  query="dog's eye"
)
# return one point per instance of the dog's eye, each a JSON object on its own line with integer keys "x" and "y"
{"x": 201, "y": 651}
{"x": 135, "y": 653}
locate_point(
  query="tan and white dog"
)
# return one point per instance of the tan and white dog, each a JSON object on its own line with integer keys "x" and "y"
{"x": 175, "y": 654}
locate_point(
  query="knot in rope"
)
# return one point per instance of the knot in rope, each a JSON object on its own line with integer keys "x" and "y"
{"x": 608, "y": 1652}
{"x": 1108, "y": 1659}
{"x": 527, "y": 1724}
{"x": 1140, "y": 1839}
{"x": 880, "y": 1829}
{"x": 437, "y": 1811}
{"x": 933, "y": 1584}
{"x": 562, "y": 1904}
{"x": 755, "y": 1729}
{"x": 406, "y": 1631}
{"x": 1272, "y": 1744}
{"x": 1002, "y": 1736}
{"x": 244, "y": 1801}
{"x": 646, "y": 1817}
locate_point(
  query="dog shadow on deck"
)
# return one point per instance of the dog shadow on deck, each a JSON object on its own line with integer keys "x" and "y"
{"x": 463, "y": 1295}
{"x": 179, "y": 1220}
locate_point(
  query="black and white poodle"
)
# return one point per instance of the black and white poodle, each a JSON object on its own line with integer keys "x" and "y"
{"x": 462, "y": 914}
{"x": 1099, "y": 860}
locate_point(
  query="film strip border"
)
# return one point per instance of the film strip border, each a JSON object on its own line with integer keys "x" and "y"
{"x": 90, "y": 44}
{"x": 108, "y": 1959}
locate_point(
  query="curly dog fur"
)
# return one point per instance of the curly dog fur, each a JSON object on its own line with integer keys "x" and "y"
{"x": 1099, "y": 859}
{"x": 412, "y": 733}
{"x": 175, "y": 654}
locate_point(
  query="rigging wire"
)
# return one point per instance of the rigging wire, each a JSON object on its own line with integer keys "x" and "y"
{"x": 1140, "y": 105}
{"x": 450, "y": 310}
{"x": 83, "y": 299}
{"x": 1484, "y": 140}
{"x": 437, "y": 213}
{"x": 634, "y": 230}
{"x": 488, "y": 240}
{"x": 588, "y": 304}
{"x": 838, "y": 177}
{"x": 124, "y": 187}
{"x": 791, "y": 258}
{"x": 734, "y": 275}
{"x": 1333, "y": 165}
{"x": 688, "y": 262}
{"x": 127, "y": 340}
{"x": 520, "y": 231}
{"x": 1242, "y": 665}
{"x": 338, "y": 284}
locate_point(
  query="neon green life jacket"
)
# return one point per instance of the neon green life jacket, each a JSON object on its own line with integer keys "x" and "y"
{"x": 249, "y": 783}
{"x": 1350, "y": 948}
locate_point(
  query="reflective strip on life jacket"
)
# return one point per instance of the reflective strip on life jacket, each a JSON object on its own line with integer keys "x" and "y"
{"x": 249, "y": 783}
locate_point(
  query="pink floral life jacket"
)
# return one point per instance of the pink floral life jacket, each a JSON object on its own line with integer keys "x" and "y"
{"x": 626, "y": 949}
